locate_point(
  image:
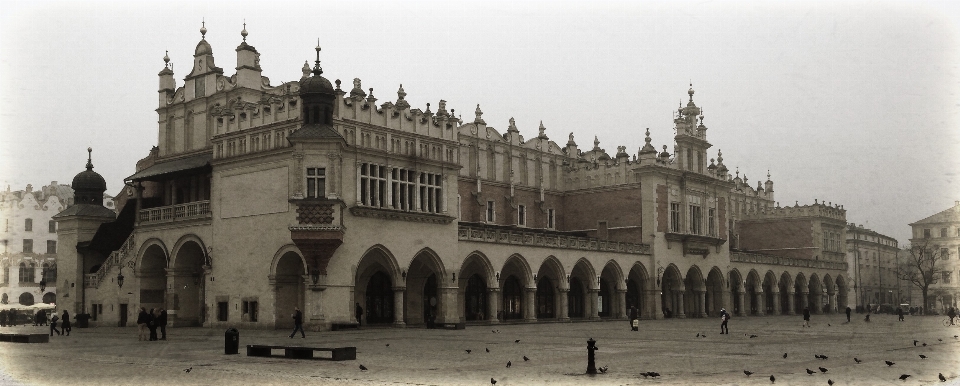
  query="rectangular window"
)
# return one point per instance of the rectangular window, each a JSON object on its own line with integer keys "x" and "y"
{"x": 373, "y": 185}
{"x": 28, "y": 225}
{"x": 51, "y": 246}
{"x": 27, "y": 245}
{"x": 711, "y": 219}
{"x": 944, "y": 253}
{"x": 675, "y": 217}
{"x": 250, "y": 310}
{"x": 490, "y": 212}
{"x": 521, "y": 215}
{"x": 551, "y": 219}
{"x": 402, "y": 187}
{"x": 316, "y": 182}
{"x": 926, "y": 233}
{"x": 222, "y": 311}
{"x": 945, "y": 277}
{"x": 430, "y": 192}
{"x": 943, "y": 232}
{"x": 696, "y": 220}
{"x": 52, "y": 226}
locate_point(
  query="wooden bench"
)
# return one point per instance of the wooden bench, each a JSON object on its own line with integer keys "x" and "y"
{"x": 301, "y": 352}
{"x": 25, "y": 338}
{"x": 344, "y": 325}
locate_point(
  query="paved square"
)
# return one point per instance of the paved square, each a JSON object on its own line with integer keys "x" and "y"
{"x": 557, "y": 353}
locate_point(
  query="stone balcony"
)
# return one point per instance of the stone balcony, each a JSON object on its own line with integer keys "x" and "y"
{"x": 197, "y": 210}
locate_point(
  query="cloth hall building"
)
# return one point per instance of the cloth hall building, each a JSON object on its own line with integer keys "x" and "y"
{"x": 259, "y": 198}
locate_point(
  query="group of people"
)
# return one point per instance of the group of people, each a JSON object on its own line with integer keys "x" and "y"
{"x": 150, "y": 321}
{"x": 66, "y": 328}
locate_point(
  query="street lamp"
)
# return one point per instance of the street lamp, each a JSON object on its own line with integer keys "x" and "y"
{"x": 120, "y": 278}
{"x": 315, "y": 275}
{"x": 43, "y": 285}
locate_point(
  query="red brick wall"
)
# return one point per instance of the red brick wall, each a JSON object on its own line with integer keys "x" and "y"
{"x": 722, "y": 217}
{"x": 505, "y": 214}
{"x": 662, "y": 207}
{"x": 619, "y": 208}
{"x": 780, "y": 237}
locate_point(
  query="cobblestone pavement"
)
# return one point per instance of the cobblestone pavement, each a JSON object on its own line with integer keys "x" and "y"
{"x": 557, "y": 353}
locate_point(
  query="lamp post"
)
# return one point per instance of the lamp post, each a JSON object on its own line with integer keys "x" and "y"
{"x": 120, "y": 278}
{"x": 315, "y": 275}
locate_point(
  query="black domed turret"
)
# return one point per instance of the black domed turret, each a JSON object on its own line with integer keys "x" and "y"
{"x": 316, "y": 83}
{"x": 88, "y": 186}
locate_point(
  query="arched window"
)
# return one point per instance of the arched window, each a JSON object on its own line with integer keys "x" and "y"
{"x": 26, "y": 272}
{"x": 49, "y": 273}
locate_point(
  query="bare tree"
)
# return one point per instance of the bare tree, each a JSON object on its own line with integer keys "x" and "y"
{"x": 920, "y": 266}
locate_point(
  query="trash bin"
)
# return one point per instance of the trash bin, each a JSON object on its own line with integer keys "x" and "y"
{"x": 82, "y": 320}
{"x": 231, "y": 341}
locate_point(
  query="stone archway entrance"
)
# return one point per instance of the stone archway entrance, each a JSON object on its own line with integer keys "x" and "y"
{"x": 188, "y": 286}
{"x": 475, "y": 298}
{"x": 576, "y": 299}
{"x": 153, "y": 278}
{"x": 714, "y": 298}
{"x": 288, "y": 289}
{"x": 379, "y": 299}
{"x": 512, "y": 298}
{"x": 545, "y": 299}
{"x": 424, "y": 301}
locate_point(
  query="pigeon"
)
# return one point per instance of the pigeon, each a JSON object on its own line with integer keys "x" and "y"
{"x": 915, "y": 342}
{"x": 823, "y": 369}
{"x": 363, "y": 368}
{"x": 773, "y": 379}
{"x": 488, "y": 349}
{"x": 830, "y": 382}
{"x": 525, "y": 358}
{"x": 654, "y": 374}
{"x": 810, "y": 372}
{"x": 388, "y": 344}
{"x": 816, "y": 356}
{"x": 698, "y": 335}
{"x": 857, "y": 360}
{"x": 493, "y": 381}
{"x": 939, "y": 339}
{"x": 784, "y": 355}
{"x": 509, "y": 364}
{"x": 956, "y": 336}
{"x": 923, "y": 356}
{"x": 903, "y": 377}
{"x": 828, "y": 325}
{"x": 749, "y": 373}
{"x": 924, "y": 345}
{"x": 889, "y": 363}
{"x": 753, "y": 336}
{"x": 516, "y": 341}
{"x": 603, "y": 370}
{"x": 942, "y": 378}
{"x": 187, "y": 370}
{"x": 824, "y": 357}
{"x": 468, "y": 351}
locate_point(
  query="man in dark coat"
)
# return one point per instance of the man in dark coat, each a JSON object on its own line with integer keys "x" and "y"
{"x": 359, "y": 311}
{"x": 53, "y": 324}
{"x": 142, "y": 320}
{"x": 900, "y": 313}
{"x": 152, "y": 323}
{"x": 297, "y": 323}
{"x": 848, "y": 314}
{"x": 724, "y": 318}
{"x": 162, "y": 323}
{"x": 634, "y": 319}
{"x": 806, "y": 317}
{"x": 66, "y": 323}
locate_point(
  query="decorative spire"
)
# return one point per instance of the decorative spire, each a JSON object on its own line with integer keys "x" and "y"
{"x": 305, "y": 70}
{"x": 370, "y": 97}
{"x": 90, "y": 158}
{"x": 719, "y": 157}
{"x": 478, "y": 113}
{"x": 316, "y": 67}
{"x": 768, "y": 174}
{"x": 543, "y": 134}
{"x": 690, "y": 91}
{"x": 401, "y": 104}
{"x": 203, "y": 29}
{"x": 570, "y": 140}
{"x": 596, "y": 143}
{"x": 166, "y": 58}
{"x": 244, "y": 31}
{"x": 513, "y": 125}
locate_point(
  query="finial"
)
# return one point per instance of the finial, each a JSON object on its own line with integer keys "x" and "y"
{"x": 166, "y": 57}
{"x": 371, "y": 91}
{"x": 647, "y": 139}
{"x": 89, "y": 158}
{"x": 244, "y": 31}
{"x": 768, "y": 174}
{"x": 203, "y": 29}
{"x": 402, "y": 94}
{"x": 719, "y": 156}
{"x": 738, "y": 172}
{"x": 337, "y": 82}
{"x": 316, "y": 67}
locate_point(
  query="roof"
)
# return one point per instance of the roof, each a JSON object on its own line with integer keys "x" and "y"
{"x": 178, "y": 165}
{"x": 86, "y": 210}
{"x": 315, "y": 131}
{"x": 948, "y": 215}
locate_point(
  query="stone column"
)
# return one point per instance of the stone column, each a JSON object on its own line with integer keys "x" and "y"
{"x": 398, "y": 306}
{"x": 776, "y": 303}
{"x": 563, "y": 312}
{"x": 529, "y": 304}
{"x": 621, "y": 306}
{"x": 805, "y": 297}
{"x": 791, "y": 303}
{"x": 701, "y": 303}
{"x": 833, "y": 302}
{"x": 493, "y": 304}
{"x": 652, "y": 304}
{"x": 678, "y": 312}
{"x": 594, "y": 304}
{"x": 743, "y": 306}
{"x": 761, "y": 303}
{"x": 448, "y": 311}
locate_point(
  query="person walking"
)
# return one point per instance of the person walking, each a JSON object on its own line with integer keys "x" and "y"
{"x": 142, "y": 320}
{"x": 53, "y": 325}
{"x": 952, "y": 313}
{"x": 634, "y": 319}
{"x": 900, "y": 313}
{"x": 806, "y": 317}
{"x": 848, "y": 314}
{"x": 162, "y": 323}
{"x": 297, "y": 323}
{"x": 66, "y": 323}
{"x": 152, "y": 323}
{"x": 724, "y": 318}
{"x": 359, "y": 313}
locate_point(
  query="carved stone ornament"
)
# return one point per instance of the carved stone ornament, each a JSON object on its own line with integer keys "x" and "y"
{"x": 314, "y": 213}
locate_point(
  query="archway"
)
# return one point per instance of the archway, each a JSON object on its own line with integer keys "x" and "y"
{"x": 842, "y": 303}
{"x": 784, "y": 285}
{"x": 580, "y": 299}
{"x": 714, "y": 298}
{"x": 769, "y": 292}
{"x": 516, "y": 278}
{"x": 609, "y": 298}
{"x": 424, "y": 304}
{"x": 693, "y": 302}
{"x": 288, "y": 287}
{"x": 800, "y": 293}
{"x": 475, "y": 298}
{"x": 575, "y": 299}
{"x": 50, "y": 298}
{"x": 512, "y": 298}
{"x": 754, "y": 291}
{"x": 671, "y": 294}
{"x": 737, "y": 292}
{"x": 637, "y": 291}
{"x": 152, "y": 274}
{"x": 379, "y": 299}
{"x": 26, "y": 299}
{"x": 546, "y": 302}
{"x": 374, "y": 286}
{"x": 188, "y": 285}
{"x": 815, "y": 301}
{"x": 830, "y": 300}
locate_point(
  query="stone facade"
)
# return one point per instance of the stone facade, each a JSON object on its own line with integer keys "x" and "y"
{"x": 873, "y": 260}
{"x": 941, "y": 232}
{"x": 261, "y": 198}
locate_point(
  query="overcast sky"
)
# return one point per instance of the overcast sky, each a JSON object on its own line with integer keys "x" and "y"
{"x": 853, "y": 103}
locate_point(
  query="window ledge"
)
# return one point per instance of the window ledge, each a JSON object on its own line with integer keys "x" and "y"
{"x": 390, "y": 214}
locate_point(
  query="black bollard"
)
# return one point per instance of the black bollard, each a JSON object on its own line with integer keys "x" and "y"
{"x": 591, "y": 362}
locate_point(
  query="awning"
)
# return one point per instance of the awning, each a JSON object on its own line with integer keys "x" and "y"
{"x": 175, "y": 166}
